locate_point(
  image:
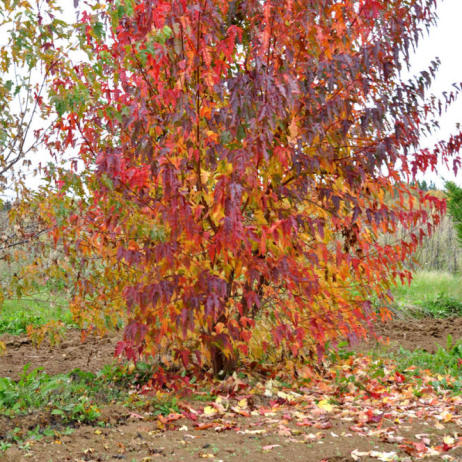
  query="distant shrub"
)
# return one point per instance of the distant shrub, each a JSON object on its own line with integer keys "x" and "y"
{"x": 454, "y": 195}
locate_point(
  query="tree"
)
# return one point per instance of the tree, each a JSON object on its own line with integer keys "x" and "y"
{"x": 424, "y": 186}
{"x": 241, "y": 159}
{"x": 454, "y": 195}
{"x": 35, "y": 40}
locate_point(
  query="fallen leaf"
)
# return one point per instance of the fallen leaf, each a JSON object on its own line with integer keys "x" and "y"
{"x": 252, "y": 432}
{"x": 384, "y": 456}
{"x": 325, "y": 405}
{"x": 209, "y": 411}
{"x": 356, "y": 454}
{"x": 270, "y": 446}
{"x": 449, "y": 440}
{"x": 243, "y": 403}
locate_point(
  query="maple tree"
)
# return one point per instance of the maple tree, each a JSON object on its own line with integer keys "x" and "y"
{"x": 241, "y": 160}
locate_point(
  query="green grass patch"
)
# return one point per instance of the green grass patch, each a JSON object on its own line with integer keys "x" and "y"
{"x": 445, "y": 361}
{"x": 16, "y": 315}
{"x": 431, "y": 293}
{"x": 74, "y": 397}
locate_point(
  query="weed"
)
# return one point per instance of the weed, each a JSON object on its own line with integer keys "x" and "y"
{"x": 205, "y": 397}
{"x": 445, "y": 361}
{"x": 128, "y": 375}
{"x": 16, "y": 315}
{"x": 81, "y": 411}
{"x": 443, "y": 306}
{"x": 166, "y": 407}
{"x": 70, "y": 396}
{"x": 4, "y": 446}
{"x": 339, "y": 353}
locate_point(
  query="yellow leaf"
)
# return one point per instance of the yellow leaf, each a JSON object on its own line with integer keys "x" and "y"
{"x": 209, "y": 411}
{"x": 212, "y": 135}
{"x": 449, "y": 440}
{"x": 205, "y": 175}
{"x": 243, "y": 403}
{"x": 293, "y": 131}
{"x": 324, "y": 404}
{"x": 217, "y": 215}
{"x": 260, "y": 217}
{"x": 225, "y": 167}
{"x": 2, "y": 348}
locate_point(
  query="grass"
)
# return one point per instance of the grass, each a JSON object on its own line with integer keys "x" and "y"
{"x": 72, "y": 396}
{"x": 75, "y": 398}
{"x": 16, "y": 315}
{"x": 431, "y": 293}
{"x": 445, "y": 360}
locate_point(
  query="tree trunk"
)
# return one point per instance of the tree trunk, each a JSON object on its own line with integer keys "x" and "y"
{"x": 221, "y": 364}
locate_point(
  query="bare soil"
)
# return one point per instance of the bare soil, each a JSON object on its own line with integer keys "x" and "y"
{"x": 423, "y": 334}
{"x": 91, "y": 354}
{"x": 142, "y": 441}
{"x": 129, "y": 436}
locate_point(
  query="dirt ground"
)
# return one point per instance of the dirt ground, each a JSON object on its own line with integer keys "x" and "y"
{"x": 95, "y": 352}
{"x": 142, "y": 441}
{"x": 425, "y": 334}
{"x": 90, "y": 355}
{"x": 337, "y": 437}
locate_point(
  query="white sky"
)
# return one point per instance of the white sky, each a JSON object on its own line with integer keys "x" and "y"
{"x": 444, "y": 41}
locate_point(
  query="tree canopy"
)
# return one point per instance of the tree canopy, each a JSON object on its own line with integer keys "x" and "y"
{"x": 241, "y": 160}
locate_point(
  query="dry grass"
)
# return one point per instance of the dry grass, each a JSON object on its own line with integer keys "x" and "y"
{"x": 439, "y": 252}
{"x": 442, "y": 251}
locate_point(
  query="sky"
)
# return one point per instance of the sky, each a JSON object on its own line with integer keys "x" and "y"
{"x": 444, "y": 41}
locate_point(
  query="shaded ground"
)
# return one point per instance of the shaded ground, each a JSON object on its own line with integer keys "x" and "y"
{"x": 368, "y": 427}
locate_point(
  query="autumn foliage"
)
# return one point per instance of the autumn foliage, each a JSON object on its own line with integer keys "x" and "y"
{"x": 241, "y": 160}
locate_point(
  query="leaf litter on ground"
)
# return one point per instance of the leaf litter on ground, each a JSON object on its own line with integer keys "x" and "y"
{"x": 405, "y": 414}
{"x": 370, "y": 397}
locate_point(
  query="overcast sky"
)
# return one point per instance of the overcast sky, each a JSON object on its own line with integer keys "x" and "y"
{"x": 444, "y": 41}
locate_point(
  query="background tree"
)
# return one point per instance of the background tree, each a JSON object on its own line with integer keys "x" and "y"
{"x": 241, "y": 159}
{"x": 34, "y": 40}
{"x": 34, "y": 45}
{"x": 454, "y": 195}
